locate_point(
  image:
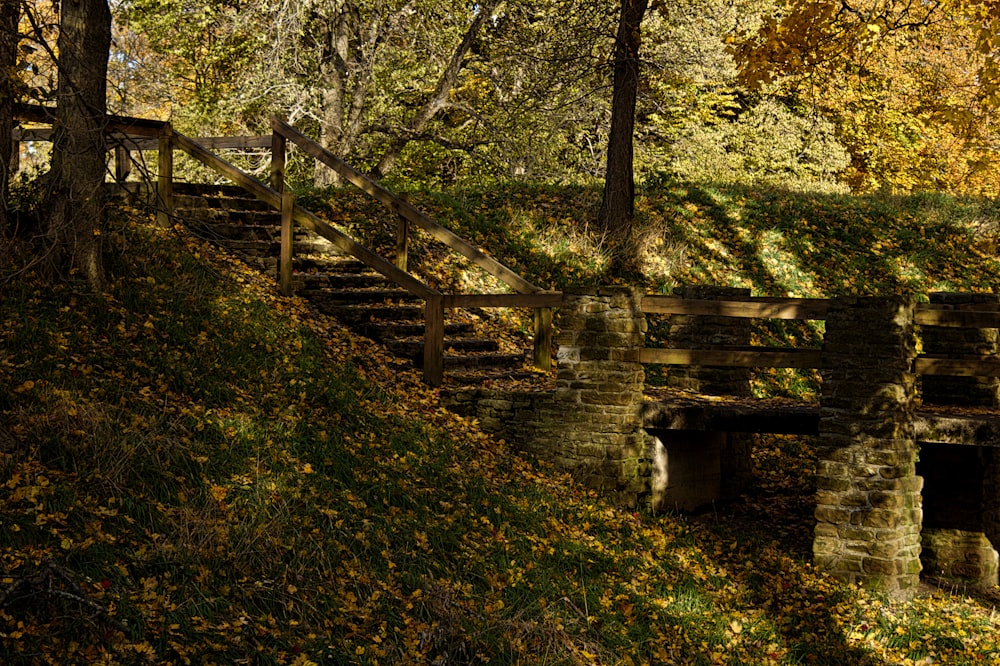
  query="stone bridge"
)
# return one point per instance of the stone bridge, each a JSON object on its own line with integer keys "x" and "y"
{"x": 907, "y": 480}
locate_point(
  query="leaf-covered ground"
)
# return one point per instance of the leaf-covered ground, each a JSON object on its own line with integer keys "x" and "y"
{"x": 194, "y": 470}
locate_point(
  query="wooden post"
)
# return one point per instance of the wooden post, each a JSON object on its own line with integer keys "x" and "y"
{"x": 278, "y": 144}
{"x": 15, "y": 158}
{"x": 285, "y": 258}
{"x": 434, "y": 340}
{"x": 165, "y": 182}
{"x": 123, "y": 163}
{"x": 543, "y": 338}
{"x": 402, "y": 237}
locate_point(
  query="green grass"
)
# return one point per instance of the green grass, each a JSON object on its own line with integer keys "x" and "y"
{"x": 204, "y": 472}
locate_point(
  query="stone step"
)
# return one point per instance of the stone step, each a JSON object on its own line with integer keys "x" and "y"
{"x": 480, "y": 361}
{"x": 209, "y": 189}
{"x": 340, "y": 264}
{"x": 343, "y": 281}
{"x": 358, "y": 296}
{"x": 220, "y": 202}
{"x": 482, "y": 376}
{"x": 414, "y": 347}
{"x": 390, "y": 330}
{"x": 227, "y": 216}
{"x": 354, "y": 315}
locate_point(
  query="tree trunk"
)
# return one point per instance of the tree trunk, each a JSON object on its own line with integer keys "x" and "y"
{"x": 8, "y": 62}
{"x": 618, "y": 205}
{"x": 75, "y": 200}
{"x": 439, "y": 99}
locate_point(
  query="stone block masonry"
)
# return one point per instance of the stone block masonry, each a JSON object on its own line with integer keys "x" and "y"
{"x": 868, "y": 512}
{"x": 591, "y": 425}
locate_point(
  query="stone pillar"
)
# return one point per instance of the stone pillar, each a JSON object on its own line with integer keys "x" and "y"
{"x": 598, "y": 431}
{"x": 868, "y": 493}
{"x": 961, "y": 501}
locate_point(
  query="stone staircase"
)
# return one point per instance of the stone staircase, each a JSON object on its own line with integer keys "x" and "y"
{"x": 341, "y": 286}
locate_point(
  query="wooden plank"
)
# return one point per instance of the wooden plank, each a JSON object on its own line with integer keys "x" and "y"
{"x": 285, "y": 258}
{"x": 304, "y": 218}
{"x": 963, "y": 366}
{"x": 123, "y": 163}
{"x": 541, "y": 299}
{"x": 759, "y": 307}
{"x": 543, "y": 338}
{"x": 45, "y": 115}
{"x": 147, "y": 142}
{"x": 434, "y": 340}
{"x": 762, "y": 357}
{"x": 165, "y": 178}
{"x": 957, "y": 318}
{"x": 394, "y": 203}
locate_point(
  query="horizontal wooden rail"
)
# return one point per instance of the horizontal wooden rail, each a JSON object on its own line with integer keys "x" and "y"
{"x": 979, "y": 318}
{"x": 152, "y": 143}
{"x": 304, "y": 217}
{"x": 403, "y": 208}
{"x": 762, "y": 357}
{"x": 44, "y": 115}
{"x": 965, "y": 366}
{"x": 758, "y": 307}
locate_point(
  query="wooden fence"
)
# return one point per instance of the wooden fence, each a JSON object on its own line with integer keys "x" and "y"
{"x": 927, "y": 314}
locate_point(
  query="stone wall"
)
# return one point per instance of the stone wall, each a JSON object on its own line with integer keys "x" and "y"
{"x": 868, "y": 512}
{"x": 591, "y": 425}
{"x": 868, "y": 493}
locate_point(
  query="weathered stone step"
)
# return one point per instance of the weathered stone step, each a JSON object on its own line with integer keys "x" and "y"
{"x": 209, "y": 189}
{"x": 266, "y": 248}
{"x": 340, "y": 264}
{"x": 357, "y": 296}
{"x": 481, "y": 376}
{"x": 353, "y": 315}
{"x": 412, "y": 348}
{"x": 389, "y": 330}
{"x": 226, "y": 216}
{"x": 344, "y": 281}
{"x": 480, "y": 361}
{"x": 220, "y": 202}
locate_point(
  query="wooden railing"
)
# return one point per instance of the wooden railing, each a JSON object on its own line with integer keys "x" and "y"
{"x": 126, "y": 135}
{"x": 741, "y": 357}
{"x": 926, "y": 314}
{"x": 528, "y": 295}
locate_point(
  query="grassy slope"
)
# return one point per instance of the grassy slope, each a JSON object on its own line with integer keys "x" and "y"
{"x": 200, "y": 471}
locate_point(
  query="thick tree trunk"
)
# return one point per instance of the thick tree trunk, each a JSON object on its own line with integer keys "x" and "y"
{"x": 76, "y": 202}
{"x": 618, "y": 205}
{"x": 8, "y": 61}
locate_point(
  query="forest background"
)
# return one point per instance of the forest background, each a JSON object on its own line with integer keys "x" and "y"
{"x": 868, "y": 96}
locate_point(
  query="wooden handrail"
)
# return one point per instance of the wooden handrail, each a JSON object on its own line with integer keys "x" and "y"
{"x": 759, "y": 357}
{"x": 405, "y": 209}
{"x": 304, "y": 217}
{"x": 756, "y": 307}
{"x": 34, "y": 113}
{"x": 928, "y": 315}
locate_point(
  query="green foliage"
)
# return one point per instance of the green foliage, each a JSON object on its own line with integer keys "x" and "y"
{"x": 766, "y": 145}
